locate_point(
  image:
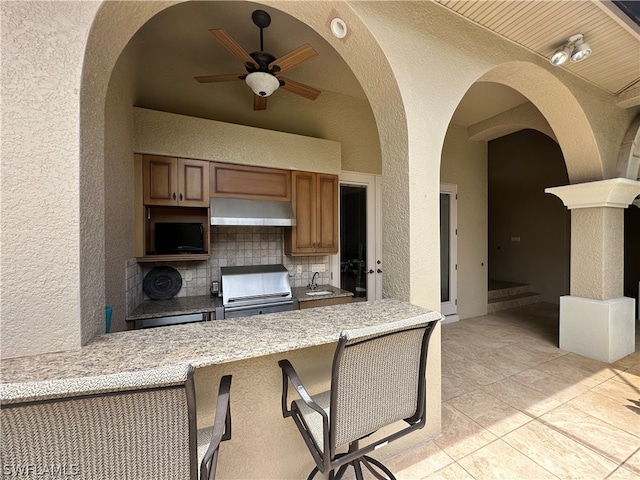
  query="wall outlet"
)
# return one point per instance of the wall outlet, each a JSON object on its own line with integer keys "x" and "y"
{"x": 515, "y": 239}
{"x": 188, "y": 275}
{"x": 298, "y": 268}
{"x": 318, "y": 267}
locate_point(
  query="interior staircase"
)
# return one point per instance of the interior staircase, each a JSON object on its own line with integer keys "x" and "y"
{"x": 504, "y": 295}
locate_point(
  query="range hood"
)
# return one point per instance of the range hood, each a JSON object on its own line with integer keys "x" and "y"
{"x": 261, "y": 213}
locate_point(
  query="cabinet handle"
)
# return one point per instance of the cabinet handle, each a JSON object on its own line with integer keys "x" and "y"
{"x": 174, "y": 195}
{"x": 181, "y": 197}
{"x": 379, "y": 271}
{"x": 371, "y": 271}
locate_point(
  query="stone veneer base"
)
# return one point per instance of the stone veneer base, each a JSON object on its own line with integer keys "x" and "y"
{"x": 600, "y": 329}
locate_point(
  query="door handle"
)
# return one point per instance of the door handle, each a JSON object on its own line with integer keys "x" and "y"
{"x": 379, "y": 271}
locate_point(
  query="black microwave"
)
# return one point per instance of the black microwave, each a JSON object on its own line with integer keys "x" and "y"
{"x": 177, "y": 237}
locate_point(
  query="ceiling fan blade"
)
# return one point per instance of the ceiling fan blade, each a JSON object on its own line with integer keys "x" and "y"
{"x": 294, "y": 58}
{"x": 234, "y": 47}
{"x": 220, "y": 78}
{"x": 300, "y": 89}
{"x": 259, "y": 103}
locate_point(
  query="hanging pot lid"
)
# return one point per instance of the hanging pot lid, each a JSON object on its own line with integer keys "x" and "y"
{"x": 162, "y": 283}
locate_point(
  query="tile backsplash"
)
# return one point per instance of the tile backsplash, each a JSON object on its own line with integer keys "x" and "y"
{"x": 230, "y": 246}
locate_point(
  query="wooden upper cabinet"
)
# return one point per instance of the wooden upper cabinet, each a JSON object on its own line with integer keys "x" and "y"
{"x": 160, "y": 180}
{"x": 193, "y": 183}
{"x": 302, "y": 237}
{"x": 255, "y": 183}
{"x": 169, "y": 181}
{"x": 315, "y": 204}
{"x": 327, "y": 213}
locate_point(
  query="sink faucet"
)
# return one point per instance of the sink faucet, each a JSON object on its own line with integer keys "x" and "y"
{"x": 313, "y": 285}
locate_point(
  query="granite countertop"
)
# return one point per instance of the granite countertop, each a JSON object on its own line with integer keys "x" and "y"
{"x": 208, "y": 343}
{"x": 175, "y": 306}
{"x": 206, "y": 303}
{"x": 301, "y": 293}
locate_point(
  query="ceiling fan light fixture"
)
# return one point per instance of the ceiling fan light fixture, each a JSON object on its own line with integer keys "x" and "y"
{"x": 263, "y": 84}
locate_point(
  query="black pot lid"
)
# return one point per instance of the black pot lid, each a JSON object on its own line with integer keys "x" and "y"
{"x": 162, "y": 283}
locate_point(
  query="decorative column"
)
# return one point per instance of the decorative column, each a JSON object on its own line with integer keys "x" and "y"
{"x": 596, "y": 320}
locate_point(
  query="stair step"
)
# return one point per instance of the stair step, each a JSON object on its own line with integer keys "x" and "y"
{"x": 516, "y": 289}
{"x": 512, "y": 301}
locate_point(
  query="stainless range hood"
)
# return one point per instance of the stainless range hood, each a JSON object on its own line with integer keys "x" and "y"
{"x": 261, "y": 213}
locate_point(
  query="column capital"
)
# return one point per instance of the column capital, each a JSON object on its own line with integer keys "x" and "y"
{"x": 615, "y": 192}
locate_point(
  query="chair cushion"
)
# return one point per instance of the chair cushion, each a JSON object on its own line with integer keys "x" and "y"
{"x": 312, "y": 419}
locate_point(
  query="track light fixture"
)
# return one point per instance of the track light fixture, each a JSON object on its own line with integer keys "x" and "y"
{"x": 575, "y": 49}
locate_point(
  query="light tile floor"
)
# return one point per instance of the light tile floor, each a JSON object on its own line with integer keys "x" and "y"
{"x": 515, "y": 406}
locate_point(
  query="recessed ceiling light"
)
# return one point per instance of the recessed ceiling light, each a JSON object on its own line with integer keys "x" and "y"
{"x": 338, "y": 28}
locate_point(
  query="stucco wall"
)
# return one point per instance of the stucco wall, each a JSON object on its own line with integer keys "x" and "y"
{"x": 464, "y": 163}
{"x": 118, "y": 192}
{"x": 178, "y": 135}
{"x": 42, "y": 48}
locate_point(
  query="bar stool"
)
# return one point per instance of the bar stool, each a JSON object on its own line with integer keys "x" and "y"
{"x": 377, "y": 378}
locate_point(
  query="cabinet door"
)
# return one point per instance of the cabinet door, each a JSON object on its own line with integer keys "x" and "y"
{"x": 327, "y": 213}
{"x": 193, "y": 178}
{"x": 254, "y": 183}
{"x": 302, "y": 237}
{"x": 160, "y": 180}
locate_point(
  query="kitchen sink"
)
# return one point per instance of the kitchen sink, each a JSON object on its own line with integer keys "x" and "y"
{"x": 320, "y": 292}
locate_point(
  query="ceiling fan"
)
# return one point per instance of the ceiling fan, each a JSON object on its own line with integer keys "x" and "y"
{"x": 263, "y": 69}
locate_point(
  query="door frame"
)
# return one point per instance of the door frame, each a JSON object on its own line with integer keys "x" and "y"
{"x": 450, "y": 308}
{"x": 373, "y": 183}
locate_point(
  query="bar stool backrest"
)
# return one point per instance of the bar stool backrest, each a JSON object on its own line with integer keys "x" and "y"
{"x": 134, "y": 425}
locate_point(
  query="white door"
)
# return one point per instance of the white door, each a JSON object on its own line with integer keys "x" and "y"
{"x": 449, "y": 251}
{"x": 358, "y": 265}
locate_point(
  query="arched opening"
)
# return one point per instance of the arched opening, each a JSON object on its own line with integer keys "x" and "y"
{"x": 562, "y": 112}
{"x": 107, "y": 137}
{"x": 506, "y": 143}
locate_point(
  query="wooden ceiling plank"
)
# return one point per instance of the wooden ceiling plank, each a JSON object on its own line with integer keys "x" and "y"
{"x": 492, "y": 11}
{"x": 516, "y": 13}
{"x": 544, "y": 28}
{"x": 462, "y": 7}
{"x": 473, "y": 9}
{"x": 523, "y": 17}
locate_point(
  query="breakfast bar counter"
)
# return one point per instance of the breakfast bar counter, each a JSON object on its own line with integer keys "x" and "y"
{"x": 208, "y": 343}
{"x": 264, "y": 445}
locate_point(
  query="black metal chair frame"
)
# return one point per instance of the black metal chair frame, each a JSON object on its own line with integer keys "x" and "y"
{"x": 221, "y": 430}
{"x": 327, "y": 459}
